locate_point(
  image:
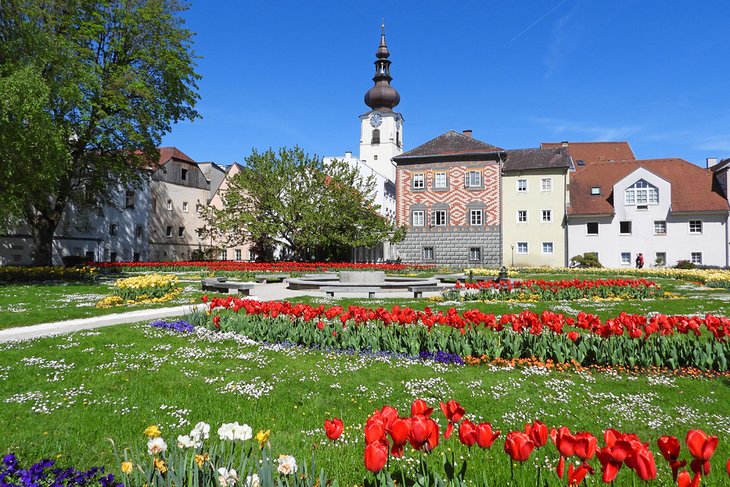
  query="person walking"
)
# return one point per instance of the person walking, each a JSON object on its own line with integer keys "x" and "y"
{"x": 640, "y": 261}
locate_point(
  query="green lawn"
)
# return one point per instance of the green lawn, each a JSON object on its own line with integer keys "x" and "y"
{"x": 30, "y": 304}
{"x": 65, "y": 396}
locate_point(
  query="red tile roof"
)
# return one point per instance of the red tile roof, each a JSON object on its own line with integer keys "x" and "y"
{"x": 692, "y": 186}
{"x": 591, "y": 152}
{"x": 167, "y": 153}
{"x": 449, "y": 144}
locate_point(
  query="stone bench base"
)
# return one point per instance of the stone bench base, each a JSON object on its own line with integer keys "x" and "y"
{"x": 331, "y": 290}
{"x": 266, "y": 278}
{"x": 226, "y": 286}
{"x": 418, "y": 290}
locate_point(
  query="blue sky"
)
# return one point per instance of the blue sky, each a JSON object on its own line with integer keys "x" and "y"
{"x": 517, "y": 73}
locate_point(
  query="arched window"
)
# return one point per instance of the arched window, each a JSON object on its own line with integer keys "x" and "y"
{"x": 376, "y": 137}
{"x": 641, "y": 193}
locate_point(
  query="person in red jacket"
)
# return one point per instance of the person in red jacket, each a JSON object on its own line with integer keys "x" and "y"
{"x": 640, "y": 261}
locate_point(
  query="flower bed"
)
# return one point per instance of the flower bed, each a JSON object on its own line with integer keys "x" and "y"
{"x": 626, "y": 340}
{"x": 43, "y": 473}
{"x": 566, "y": 290}
{"x": 151, "y": 288}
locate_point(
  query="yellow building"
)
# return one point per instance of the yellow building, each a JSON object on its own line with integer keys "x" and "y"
{"x": 534, "y": 199}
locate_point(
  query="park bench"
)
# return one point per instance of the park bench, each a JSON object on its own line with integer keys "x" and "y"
{"x": 418, "y": 290}
{"x": 331, "y": 290}
{"x": 266, "y": 278}
{"x": 221, "y": 284}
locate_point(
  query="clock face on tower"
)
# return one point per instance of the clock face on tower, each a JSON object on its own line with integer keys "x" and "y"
{"x": 376, "y": 120}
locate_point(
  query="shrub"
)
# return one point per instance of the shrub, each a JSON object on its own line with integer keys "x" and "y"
{"x": 588, "y": 259}
{"x": 685, "y": 264}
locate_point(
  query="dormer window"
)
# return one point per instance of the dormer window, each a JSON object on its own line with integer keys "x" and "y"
{"x": 641, "y": 193}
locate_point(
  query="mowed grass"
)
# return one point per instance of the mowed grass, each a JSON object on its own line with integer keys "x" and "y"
{"x": 31, "y": 304}
{"x": 64, "y": 397}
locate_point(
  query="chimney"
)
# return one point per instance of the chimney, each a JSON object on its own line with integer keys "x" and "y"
{"x": 348, "y": 155}
{"x": 564, "y": 144}
{"x": 711, "y": 161}
{"x": 467, "y": 132}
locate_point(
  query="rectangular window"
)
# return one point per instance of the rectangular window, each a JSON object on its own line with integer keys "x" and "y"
{"x": 625, "y": 258}
{"x": 185, "y": 206}
{"x": 168, "y": 231}
{"x": 592, "y": 228}
{"x": 180, "y": 231}
{"x": 135, "y": 257}
{"x": 169, "y": 205}
{"x": 475, "y": 254}
{"x": 138, "y": 231}
{"x": 522, "y": 185}
{"x": 473, "y": 179}
{"x": 630, "y": 197}
{"x": 427, "y": 253}
{"x": 547, "y": 216}
{"x": 695, "y": 226}
{"x": 184, "y": 174}
{"x": 595, "y": 190}
{"x": 129, "y": 200}
{"x": 154, "y": 204}
{"x": 438, "y": 218}
{"x": 624, "y": 228}
{"x": 521, "y": 216}
{"x": 696, "y": 258}
{"x": 547, "y": 247}
{"x": 475, "y": 217}
{"x": 419, "y": 181}
{"x": 521, "y": 247}
{"x": 113, "y": 230}
{"x": 418, "y": 218}
{"x": 653, "y": 195}
{"x": 660, "y": 227}
{"x": 238, "y": 254}
{"x": 439, "y": 180}
{"x": 546, "y": 184}
{"x": 661, "y": 259}
{"x": 224, "y": 255}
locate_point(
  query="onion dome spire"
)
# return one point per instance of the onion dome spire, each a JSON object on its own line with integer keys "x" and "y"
{"x": 382, "y": 96}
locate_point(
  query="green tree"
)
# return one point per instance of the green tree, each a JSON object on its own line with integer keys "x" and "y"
{"x": 313, "y": 209}
{"x": 87, "y": 90}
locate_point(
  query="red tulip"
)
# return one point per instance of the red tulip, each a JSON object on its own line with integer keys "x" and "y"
{"x": 376, "y": 455}
{"x": 573, "y": 336}
{"x": 576, "y": 475}
{"x": 669, "y": 447}
{"x": 388, "y": 414}
{"x": 612, "y": 457}
{"x": 518, "y": 445}
{"x": 453, "y": 412}
{"x": 467, "y": 433}
{"x": 702, "y": 447}
{"x": 538, "y": 433}
{"x": 728, "y": 466}
{"x": 564, "y": 441}
{"x": 419, "y": 407}
{"x": 485, "y": 435}
{"x": 684, "y": 481}
{"x": 399, "y": 432}
{"x": 585, "y": 446}
{"x": 374, "y": 430}
{"x": 333, "y": 428}
{"x": 424, "y": 433}
{"x": 642, "y": 461}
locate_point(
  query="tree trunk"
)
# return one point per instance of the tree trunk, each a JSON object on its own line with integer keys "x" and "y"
{"x": 42, "y": 230}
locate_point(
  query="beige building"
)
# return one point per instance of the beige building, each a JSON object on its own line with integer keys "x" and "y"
{"x": 237, "y": 252}
{"x": 179, "y": 191}
{"x": 534, "y": 200}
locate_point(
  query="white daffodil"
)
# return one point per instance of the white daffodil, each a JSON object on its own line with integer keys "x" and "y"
{"x": 227, "y": 478}
{"x": 156, "y": 445}
{"x": 201, "y": 431}
{"x": 235, "y": 431}
{"x": 287, "y": 465}
{"x": 184, "y": 441}
{"x": 253, "y": 480}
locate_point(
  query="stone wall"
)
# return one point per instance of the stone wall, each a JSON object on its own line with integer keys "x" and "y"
{"x": 452, "y": 247}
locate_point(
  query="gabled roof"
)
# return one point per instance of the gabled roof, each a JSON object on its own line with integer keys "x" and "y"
{"x": 451, "y": 143}
{"x": 590, "y": 152}
{"x": 167, "y": 153}
{"x": 692, "y": 186}
{"x": 525, "y": 159}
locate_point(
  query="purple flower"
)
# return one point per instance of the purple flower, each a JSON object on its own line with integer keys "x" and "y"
{"x": 180, "y": 326}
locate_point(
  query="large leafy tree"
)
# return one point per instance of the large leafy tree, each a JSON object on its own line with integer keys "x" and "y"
{"x": 311, "y": 208}
{"x": 87, "y": 90}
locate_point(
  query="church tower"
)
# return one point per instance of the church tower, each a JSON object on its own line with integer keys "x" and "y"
{"x": 381, "y": 129}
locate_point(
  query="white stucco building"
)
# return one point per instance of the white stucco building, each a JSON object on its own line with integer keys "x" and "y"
{"x": 667, "y": 209}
